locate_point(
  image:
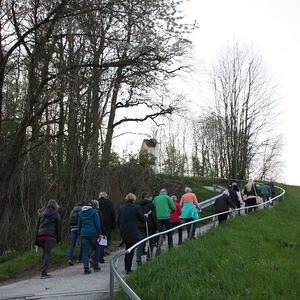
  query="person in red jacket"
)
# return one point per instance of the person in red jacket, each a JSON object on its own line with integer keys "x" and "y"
{"x": 175, "y": 219}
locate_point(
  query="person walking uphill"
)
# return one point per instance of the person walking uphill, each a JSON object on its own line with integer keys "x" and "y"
{"x": 190, "y": 205}
{"x": 74, "y": 233}
{"x": 128, "y": 221}
{"x": 48, "y": 233}
{"x": 222, "y": 204}
{"x": 149, "y": 210}
{"x": 164, "y": 204}
{"x": 90, "y": 230}
{"x": 108, "y": 217}
{"x": 175, "y": 219}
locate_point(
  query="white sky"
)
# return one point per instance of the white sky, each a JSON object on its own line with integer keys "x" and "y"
{"x": 271, "y": 27}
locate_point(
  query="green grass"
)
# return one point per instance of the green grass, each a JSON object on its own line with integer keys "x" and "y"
{"x": 251, "y": 257}
{"x": 17, "y": 263}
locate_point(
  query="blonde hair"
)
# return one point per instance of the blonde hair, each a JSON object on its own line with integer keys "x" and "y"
{"x": 53, "y": 204}
{"x": 95, "y": 203}
{"x": 249, "y": 185}
{"x": 130, "y": 197}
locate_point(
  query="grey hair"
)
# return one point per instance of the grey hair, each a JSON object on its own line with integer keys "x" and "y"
{"x": 188, "y": 190}
{"x": 173, "y": 197}
{"x": 53, "y": 204}
{"x": 103, "y": 195}
{"x": 163, "y": 191}
{"x": 226, "y": 193}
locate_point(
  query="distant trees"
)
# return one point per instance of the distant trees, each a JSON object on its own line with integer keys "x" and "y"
{"x": 71, "y": 72}
{"x": 229, "y": 139}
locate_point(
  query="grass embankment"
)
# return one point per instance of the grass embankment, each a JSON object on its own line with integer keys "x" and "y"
{"x": 251, "y": 257}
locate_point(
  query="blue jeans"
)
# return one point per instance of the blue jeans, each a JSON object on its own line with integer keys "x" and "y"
{"x": 74, "y": 236}
{"x": 88, "y": 242}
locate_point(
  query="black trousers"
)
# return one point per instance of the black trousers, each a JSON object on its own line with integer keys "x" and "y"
{"x": 47, "y": 246}
{"x": 165, "y": 223}
{"x": 222, "y": 218}
{"x": 128, "y": 257}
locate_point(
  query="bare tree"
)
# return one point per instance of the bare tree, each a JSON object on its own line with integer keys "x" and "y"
{"x": 244, "y": 104}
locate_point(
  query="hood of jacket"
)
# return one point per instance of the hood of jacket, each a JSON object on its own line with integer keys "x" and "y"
{"x": 143, "y": 202}
{"x": 49, "y": 212}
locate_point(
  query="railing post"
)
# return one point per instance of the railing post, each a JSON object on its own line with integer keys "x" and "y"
{"x": 111, "y": 282}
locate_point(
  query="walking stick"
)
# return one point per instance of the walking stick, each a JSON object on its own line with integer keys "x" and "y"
{"x": 147, "y": 231}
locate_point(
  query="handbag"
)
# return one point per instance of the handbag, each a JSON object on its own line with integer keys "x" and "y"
{"x": 259, "y": 199}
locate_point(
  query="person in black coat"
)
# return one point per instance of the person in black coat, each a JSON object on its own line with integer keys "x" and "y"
{"x": 108, "y": 217}
{"x": 149, "y": 210}
{"x": 48, "y": 233}
{"x": 222, "y": 204}
{"x": 128, "y": 221}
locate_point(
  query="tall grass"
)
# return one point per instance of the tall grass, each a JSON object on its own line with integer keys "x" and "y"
{"x": 251, "y": 257}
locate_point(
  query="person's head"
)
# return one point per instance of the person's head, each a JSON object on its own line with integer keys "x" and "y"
{"x": 163, "y": 191}
{"x": 130, "y": 198}
{"x": 53, "y": 204}
{"x": 147, "y": 197}
{"x": 174, "y": 198}
{"x": 235, "y": 187}
{"x": 95, "y": 203}
{"x": 226, "y": 193}
{"x": 188, "y": 190}
{"x": 230, "y": 187}
{"x": 103, "y": 195}
{"x": 144, "y": 194}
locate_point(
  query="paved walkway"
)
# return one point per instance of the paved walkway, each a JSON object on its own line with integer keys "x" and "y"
{"x": 71, "y": 283}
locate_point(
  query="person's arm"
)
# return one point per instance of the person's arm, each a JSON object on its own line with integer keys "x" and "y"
{"x": 181, "y": 201}
{"x": 113, "y": 216}
{"x": 171, "y": 204}
{"x": 97, "y": 223}
{"x": 195, "y": 201}
{"x": 58, "y": 228}
{"x": 179, "y": 210}
{"x": 139, "y": 214}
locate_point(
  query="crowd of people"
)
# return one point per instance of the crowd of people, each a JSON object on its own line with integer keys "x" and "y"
{"x": 93, "y": 222}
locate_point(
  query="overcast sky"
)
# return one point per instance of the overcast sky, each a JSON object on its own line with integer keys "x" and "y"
{"x": 271, "y": 27}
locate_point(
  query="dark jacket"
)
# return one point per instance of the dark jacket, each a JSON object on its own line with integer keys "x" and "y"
{"x": 146, "y": 206}
{"x": 75, "y": 209}
{"x": 255, "y": 191}
{"x": 107, "y": 212}
{"x": 89, "y": 222}
{"x": 128, "y": 221}
{"x": 234, "y": 197}
{"x": 49, "y": 224}
{"x": 223, "y": 203}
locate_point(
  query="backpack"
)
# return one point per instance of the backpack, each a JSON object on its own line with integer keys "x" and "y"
{"x": 73, "y": 218}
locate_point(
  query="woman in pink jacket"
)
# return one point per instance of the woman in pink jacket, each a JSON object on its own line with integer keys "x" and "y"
{"x": 175, "y": 219}
{"x": 190, "y": 208}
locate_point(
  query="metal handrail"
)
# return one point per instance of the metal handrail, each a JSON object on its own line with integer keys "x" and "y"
{"x": 114, "y": 260}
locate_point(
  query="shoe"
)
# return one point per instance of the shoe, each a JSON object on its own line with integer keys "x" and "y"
{"x": 139, "y": 262}
{"x": 70, "y": 262}
{"x": 45, "y": 276}
{"x": 106, "y": 252}
{"x": 87, "y": 271}
{"x": 128, "y": 271}
{"x": 97, "y": 269}
{"x": 101, "y": 260}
